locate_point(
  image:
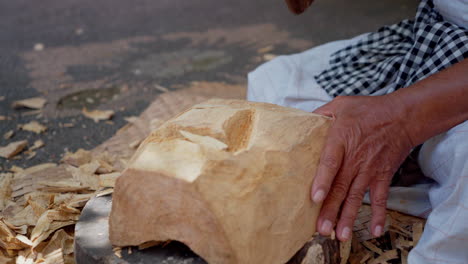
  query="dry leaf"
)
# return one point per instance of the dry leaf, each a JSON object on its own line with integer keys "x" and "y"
{"x": 34, "y": 126}
{"x": 13, "y": 149}
{"x": 98, "y": 115}
{"x": 33, "y": 103}
{"x": 8, "y": 134}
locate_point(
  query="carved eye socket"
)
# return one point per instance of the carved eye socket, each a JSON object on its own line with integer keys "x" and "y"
{"x": 298, "y": 6}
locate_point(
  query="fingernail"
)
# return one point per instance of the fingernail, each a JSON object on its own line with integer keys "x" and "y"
{"x": 346, "y": 233}
{"x": 378, "y": 231}
{"x": 326, "y": 227}
{"x": 318, "y": 196}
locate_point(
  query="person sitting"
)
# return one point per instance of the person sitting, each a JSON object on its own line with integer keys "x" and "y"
{"x": 388, "y": 92}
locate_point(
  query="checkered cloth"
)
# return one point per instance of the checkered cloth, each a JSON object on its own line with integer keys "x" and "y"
{"x": 410, "y": 50}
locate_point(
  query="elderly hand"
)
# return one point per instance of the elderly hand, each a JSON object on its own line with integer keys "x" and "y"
{"x": 366, "y": 144}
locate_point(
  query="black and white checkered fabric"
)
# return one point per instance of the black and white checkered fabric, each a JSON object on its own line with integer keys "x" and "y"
{"x": 400, "y": 54}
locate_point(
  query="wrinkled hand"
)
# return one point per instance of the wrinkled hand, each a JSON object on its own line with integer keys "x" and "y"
{"x": 366, "y": 144}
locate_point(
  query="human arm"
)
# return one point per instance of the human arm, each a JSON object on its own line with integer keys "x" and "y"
{"x": 371, "y": 136}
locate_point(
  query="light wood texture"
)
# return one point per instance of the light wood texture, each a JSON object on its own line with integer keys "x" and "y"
{"x": 228, "y": 178}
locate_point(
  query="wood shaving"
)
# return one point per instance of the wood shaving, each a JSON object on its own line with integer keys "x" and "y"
{"x": 5, "y": 189}
{"x": 372, "y": 247}
{"x": 98, "y": 115}
{"x": 35, "y": 208}
{"x": 269, "y": 57}
{"x": 161, "y": 88}
{"x": 80, "y": 157}
{"x": 417, "y": 232}
{"x": 400, "y": 237}
{"x": 345, "y": 250}
{"x": 117, "y": 251}
{"x": 68, "y": 125}
{"x": 32, "y": 103}
{"x": 8, "y": 134}
{"x": 108, "y": 180}
{"x": 265, "y": 49}
{"x": 37, "y": 144}
{"x": 31, "y": 154}
{"x": 135, "y": 144}
{"x": 386, "y": 256}
{"x": 104, "y": 192}
{"x": 13, "y": 149}
{"x": 34, "y": 126}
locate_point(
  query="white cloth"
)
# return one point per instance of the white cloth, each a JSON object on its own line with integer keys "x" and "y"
{"x": 289, "y": 81}
{"x": 454, "y": 11}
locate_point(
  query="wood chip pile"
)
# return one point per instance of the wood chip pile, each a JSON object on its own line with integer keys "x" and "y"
{"x": 402, "y": 234}
{"x": 40, "y": 205}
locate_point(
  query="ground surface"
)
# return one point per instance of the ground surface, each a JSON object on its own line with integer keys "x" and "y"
{"x": 115, "y": 54}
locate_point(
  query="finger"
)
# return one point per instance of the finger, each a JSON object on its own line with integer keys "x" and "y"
{"x": 329, "y": 109}
{"x": 351, "y": 207}
{"x": 331, "y": 205}
{"x": 379, "y": 193}
{"x": 326, "y": 109}
{"x": 329, "y": 165}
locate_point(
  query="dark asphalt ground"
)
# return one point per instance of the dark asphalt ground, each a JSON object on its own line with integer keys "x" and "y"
{"x": 110, "y": 54}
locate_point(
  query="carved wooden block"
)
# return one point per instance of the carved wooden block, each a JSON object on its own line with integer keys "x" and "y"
{"x": 230, "y": 179}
